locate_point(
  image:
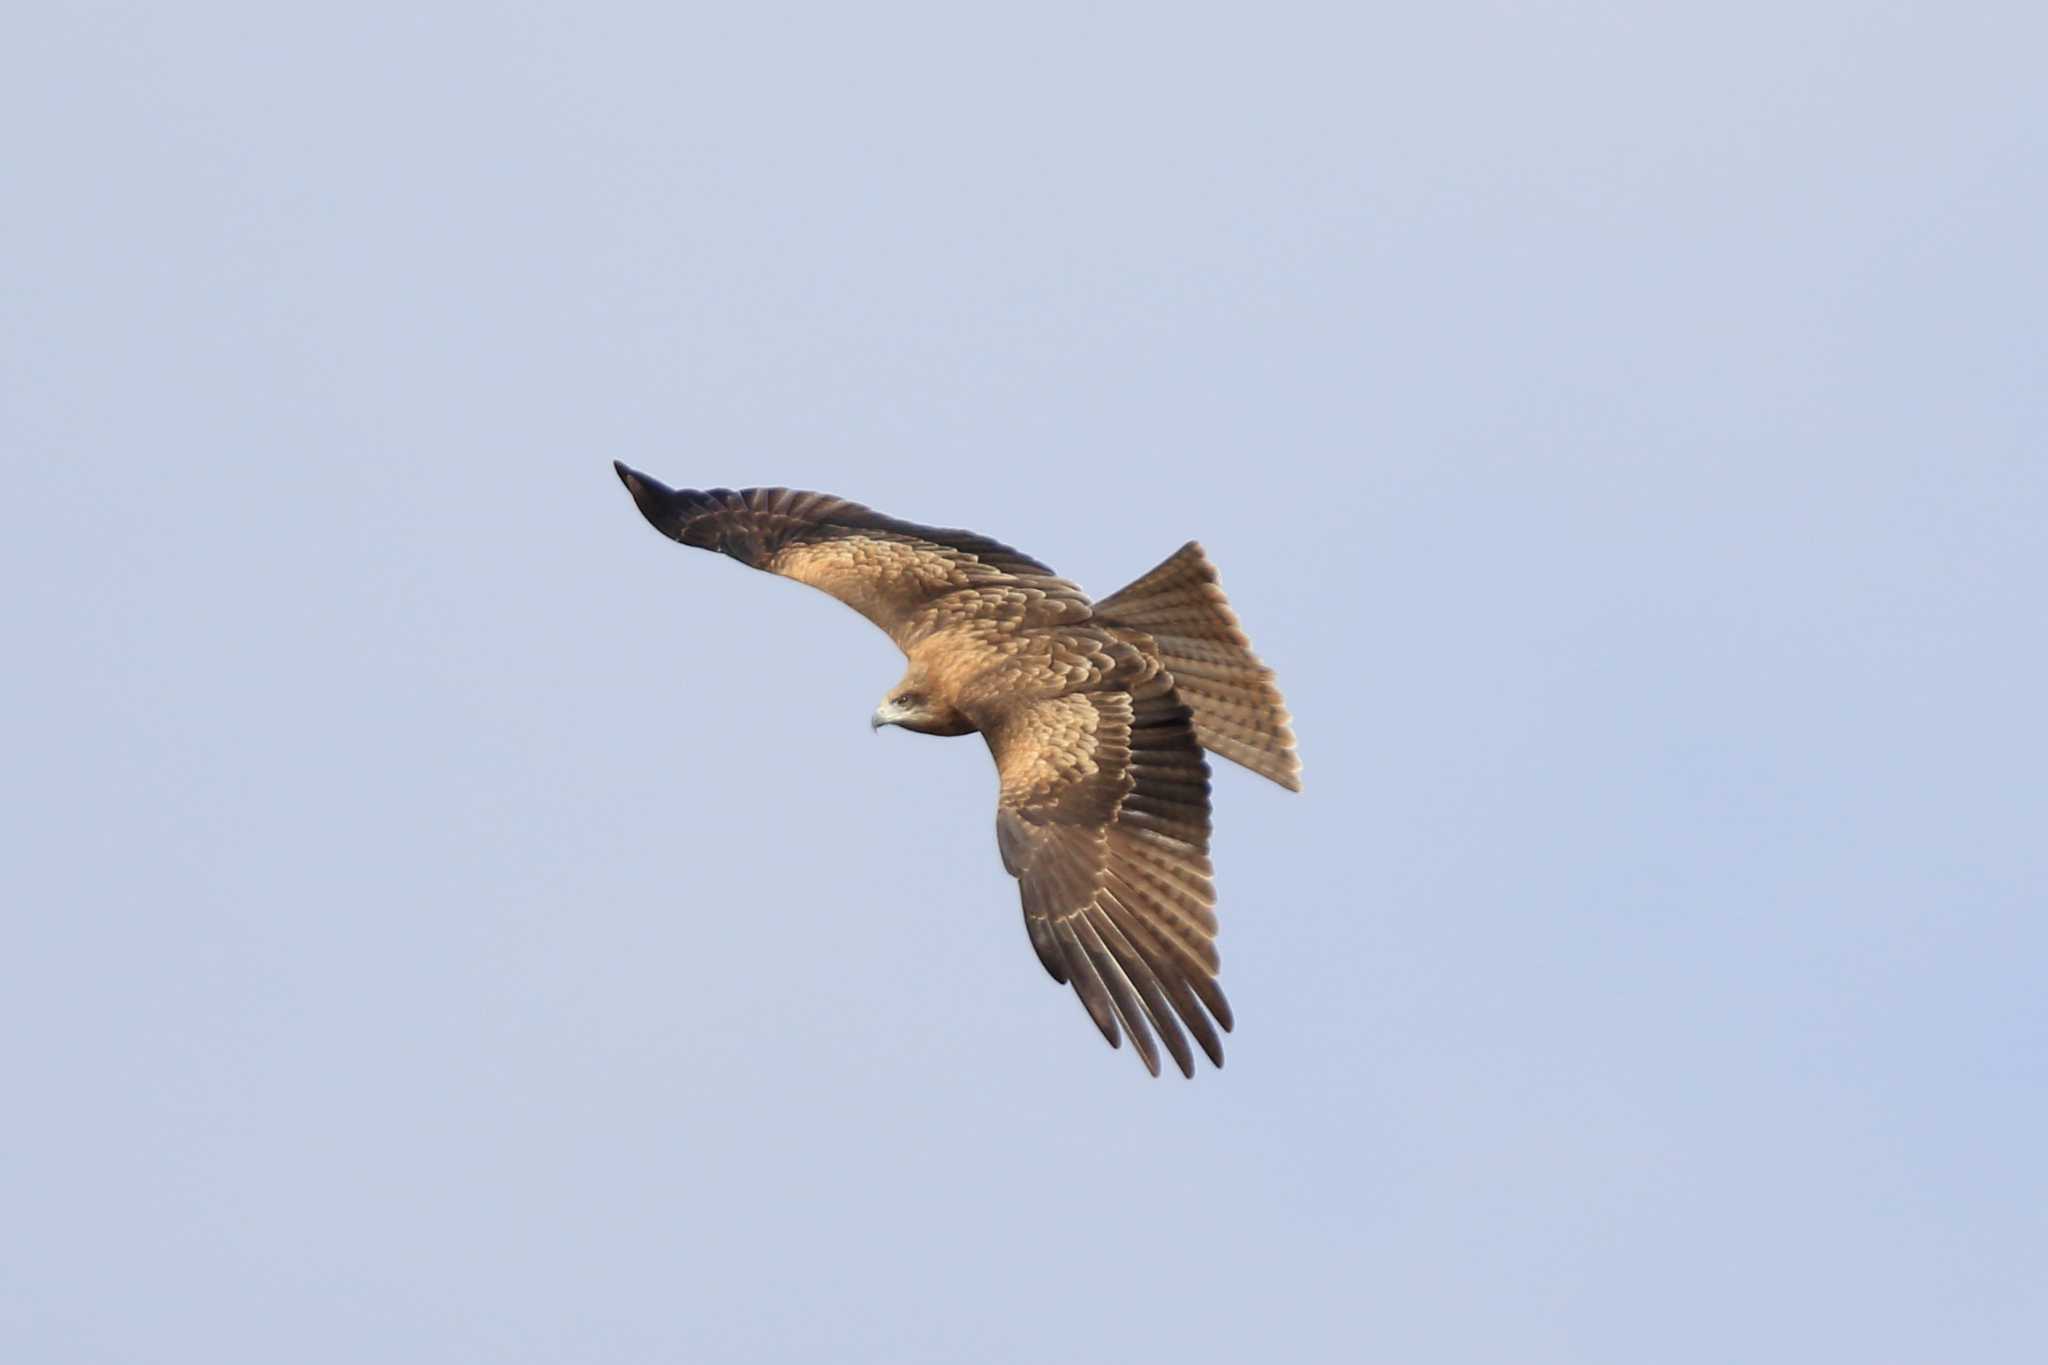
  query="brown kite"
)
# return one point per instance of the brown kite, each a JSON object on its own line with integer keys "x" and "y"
{"x": 1097, "y": 714}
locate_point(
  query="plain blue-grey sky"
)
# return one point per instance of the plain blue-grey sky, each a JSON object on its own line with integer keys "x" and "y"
{"x": 446, "y": 922}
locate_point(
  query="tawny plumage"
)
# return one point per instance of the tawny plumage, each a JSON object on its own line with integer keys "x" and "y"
{"x": 1097, "y": 715}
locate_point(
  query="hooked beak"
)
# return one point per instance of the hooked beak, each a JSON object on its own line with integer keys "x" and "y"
{"x": 875, "y": 723}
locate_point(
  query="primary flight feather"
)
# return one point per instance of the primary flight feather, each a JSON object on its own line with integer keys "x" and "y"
{"x": 1097, "y": 714}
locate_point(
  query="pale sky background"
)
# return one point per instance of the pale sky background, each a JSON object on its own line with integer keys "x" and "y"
{"x": 446, "y": 922}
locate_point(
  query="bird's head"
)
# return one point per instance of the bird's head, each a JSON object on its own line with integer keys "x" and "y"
{"x": 911, "y": 705}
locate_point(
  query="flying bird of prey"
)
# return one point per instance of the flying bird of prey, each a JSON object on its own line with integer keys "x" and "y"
{"x": 1096, "y": 713}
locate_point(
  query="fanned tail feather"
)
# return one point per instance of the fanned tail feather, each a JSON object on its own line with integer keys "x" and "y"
{"x": 1237, "y": 709}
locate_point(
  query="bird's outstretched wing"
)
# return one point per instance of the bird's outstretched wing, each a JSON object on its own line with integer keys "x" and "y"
{"x": 1104, "y": 821}
{"x": 907, "y": 579}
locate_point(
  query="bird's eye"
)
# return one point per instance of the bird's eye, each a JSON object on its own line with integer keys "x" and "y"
{"x": 908, "y": 699}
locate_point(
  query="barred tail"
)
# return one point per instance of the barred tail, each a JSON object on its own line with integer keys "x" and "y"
{"x": 1238, "y": 712}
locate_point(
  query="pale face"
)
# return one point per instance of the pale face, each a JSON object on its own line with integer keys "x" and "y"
{"x": 910, "y": 706}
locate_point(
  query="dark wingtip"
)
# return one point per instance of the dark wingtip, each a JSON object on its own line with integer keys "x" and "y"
{"x": 654, "y": 498}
